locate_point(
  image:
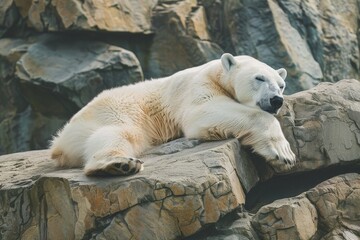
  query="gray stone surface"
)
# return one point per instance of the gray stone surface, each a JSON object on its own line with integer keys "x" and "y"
{"x": 68, "y": 73}
{"x": 14, "y": 109}
{"x": 323, "y": 124}
{"x": 314, "y": 40}
{"x": 175, "y": 196}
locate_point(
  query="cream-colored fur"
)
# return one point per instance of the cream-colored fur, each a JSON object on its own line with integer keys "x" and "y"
{"x": 224, "y": 98}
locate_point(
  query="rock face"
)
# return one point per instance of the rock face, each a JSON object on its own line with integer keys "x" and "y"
{"x": 112, "y": 16}
{"x": 91, "y": 67}
{"x": 323, "y": 124}
{"x": 314, "y": 40}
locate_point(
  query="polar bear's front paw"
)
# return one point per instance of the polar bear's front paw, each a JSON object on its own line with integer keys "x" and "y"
{"x": 285, "y": 153}
{"x": 116, "y": 166}
{"x": 278, "y": 154}
{"x": 284, "y": 158}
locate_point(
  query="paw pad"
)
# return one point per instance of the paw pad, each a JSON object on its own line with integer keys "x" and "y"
{"x": 119, "y": 166}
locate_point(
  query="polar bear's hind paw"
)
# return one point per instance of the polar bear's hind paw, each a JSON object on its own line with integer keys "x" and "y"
{"x": 119, "y": 166}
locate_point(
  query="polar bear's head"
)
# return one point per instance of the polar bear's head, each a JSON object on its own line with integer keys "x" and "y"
{"x": 254, "y": 83}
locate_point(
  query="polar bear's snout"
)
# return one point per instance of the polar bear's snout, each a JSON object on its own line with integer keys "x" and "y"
{"x": 271, "y": 105}
{"x": 276, "y": 103}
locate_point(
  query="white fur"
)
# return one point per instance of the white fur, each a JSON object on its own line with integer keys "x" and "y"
{"x": 220, "y": 99}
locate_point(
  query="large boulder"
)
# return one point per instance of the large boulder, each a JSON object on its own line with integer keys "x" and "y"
{"x": 294, "y": 218}
{"x": 69, "y": 72}
{"x": 323, "y": 124}
{"x": 183, "y": 188}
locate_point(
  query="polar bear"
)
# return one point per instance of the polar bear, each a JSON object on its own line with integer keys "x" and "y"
{"x": 224, "y": 98}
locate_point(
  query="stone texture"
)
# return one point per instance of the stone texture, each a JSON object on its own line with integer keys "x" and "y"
{"x": 323, "y": 124}
{"x": 327, "y": 211}
{"x": 330, "y": 29}
{"x": 113, "y": 16}
{"x": 181, "y": 40}
{"x": 45, "y": 80}
{"x": 286, "y": 219}
{"x": 14, "y": 109}
{"x": 315, "y": 40}
{"x": 337, "y": 201}
{"x": 234, "y": 226}
{"x": 179, "y": 193}
{"x": 68, "y": 73}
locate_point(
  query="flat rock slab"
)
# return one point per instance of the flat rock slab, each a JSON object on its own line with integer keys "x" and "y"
{"x": 179, "y": 192}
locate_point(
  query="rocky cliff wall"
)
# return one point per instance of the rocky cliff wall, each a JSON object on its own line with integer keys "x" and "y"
{"x": 56, "y": 55}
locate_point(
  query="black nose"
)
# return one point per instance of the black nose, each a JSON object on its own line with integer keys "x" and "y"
{"x": 276, "y": 102}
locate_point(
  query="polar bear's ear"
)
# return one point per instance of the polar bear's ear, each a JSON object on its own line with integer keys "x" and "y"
{"x": 282, "y": 72}
{"x": 228, "y": 61}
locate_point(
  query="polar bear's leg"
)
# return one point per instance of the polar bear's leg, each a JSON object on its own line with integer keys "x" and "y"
{"x": 111, "y": 150}
{"x": 223, "y": 118}
{"x": 67, "y": 147}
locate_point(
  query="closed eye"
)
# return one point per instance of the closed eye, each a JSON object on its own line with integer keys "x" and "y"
{"x": 260, "y": 78}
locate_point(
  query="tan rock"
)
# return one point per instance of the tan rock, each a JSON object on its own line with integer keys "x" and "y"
{"x": 178, "y": 193}
{"x": 336, "y": 201}
{"x": 145, "y": 222}
{"x": 322, "y": 124}
{"x": 112, "y": 16}
{"x": 294, "y": 218}
{"x": 328, "y": 211}
{"x": 181, "y": 40}
{"x": 197, "y": 24}
{"x": 299, "y": 53}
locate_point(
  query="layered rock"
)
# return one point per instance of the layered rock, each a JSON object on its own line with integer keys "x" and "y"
{"x": 181, "y": 35}
{"x": 323, "y": 124}
{"x": 175, "y": 196}
{"x": 112, "y": 16}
